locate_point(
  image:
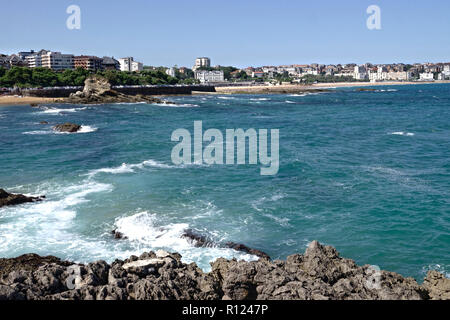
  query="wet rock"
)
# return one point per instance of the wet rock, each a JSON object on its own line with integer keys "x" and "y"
{"x": 67, "y": 127}
{"x": 43, "y": 122}
{"x": 244, "y": 248}
{"x": 118, "y": 235}
{"x": 9, "y": 199}
{"x": 197, "y": 239}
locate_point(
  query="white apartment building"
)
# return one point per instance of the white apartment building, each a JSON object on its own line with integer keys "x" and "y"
{"x": 202, "y": 62}
{"x": 427, "y": 76}
{"x": 128, "y": 64}
{"x": 381, "y": 75}
{"x": 209, "y": 76}
{"x": 57, "y": 61}
{"x": 171, "y": 72}
{"x": 360, "y": 73}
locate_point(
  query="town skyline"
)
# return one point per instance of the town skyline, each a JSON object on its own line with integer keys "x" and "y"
{"x": 214, "y": 62}
{"x": 286, "y": 32}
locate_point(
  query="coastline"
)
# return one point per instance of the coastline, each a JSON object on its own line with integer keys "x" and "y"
{"x": 289, "y": 88}
{"x": 318, "y": 274}
{"x": 7, "y": 100}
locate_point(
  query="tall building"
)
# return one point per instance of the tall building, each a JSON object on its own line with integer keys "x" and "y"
{"x": 57, "y": 61}
{"x": 128, "y": 64}
{"x": 88, "y": 62}
{"x": 202, "y": 62}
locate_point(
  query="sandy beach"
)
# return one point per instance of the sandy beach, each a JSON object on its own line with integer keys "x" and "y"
{"x": 297, "y": 87}
{"x": 23, "y": 101}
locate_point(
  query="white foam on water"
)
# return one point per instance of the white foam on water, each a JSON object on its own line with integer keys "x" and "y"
{"x": 226, "y": 98}
{"x": 87, "y": 129}
{"x": 58, "y": 111}
{"x": 288, "y": 101}
{"x": 402, "y": 133}
{"x": 173, "y": 105}
{"x": 38, "y": 132}
{"x": 259, "y": 99}
{"x": 130, "y": 168}
{"x": 45, "y": 225}
{"x": 144, "y": 234}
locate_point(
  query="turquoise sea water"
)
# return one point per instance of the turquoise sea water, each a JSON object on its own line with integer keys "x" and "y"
{"x": 366, "y": 172}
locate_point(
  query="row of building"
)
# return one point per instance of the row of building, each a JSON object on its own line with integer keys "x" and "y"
{"x": 389, "y": 72}
{"x": 58, "y": 61}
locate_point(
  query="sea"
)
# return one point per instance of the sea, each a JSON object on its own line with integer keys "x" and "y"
{"x": 367, "y": 172}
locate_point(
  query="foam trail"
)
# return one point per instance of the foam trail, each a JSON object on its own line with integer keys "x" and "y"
{"x": 143, "y": 233}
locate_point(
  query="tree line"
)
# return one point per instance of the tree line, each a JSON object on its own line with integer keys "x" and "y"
{"x": 24, "y": 77}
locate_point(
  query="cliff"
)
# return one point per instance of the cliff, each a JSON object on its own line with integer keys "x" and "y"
{"x": 317, "y": 274}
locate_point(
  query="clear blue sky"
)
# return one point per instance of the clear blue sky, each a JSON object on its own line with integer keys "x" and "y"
{"x": 241, "y": 33}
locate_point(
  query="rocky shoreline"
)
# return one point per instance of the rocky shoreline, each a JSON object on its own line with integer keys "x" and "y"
{"x": 319, "y": 273}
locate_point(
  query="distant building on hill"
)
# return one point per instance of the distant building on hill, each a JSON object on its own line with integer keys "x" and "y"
{"x": 35, "y": 60}
{"x": 128, "y": 64}
{"x": 171, "y": 72}
{"x": 88, "y": 62}
{"x": 57, "y": 61}
{"x": 209, "y": 76}
{"x": 202, "y": 62}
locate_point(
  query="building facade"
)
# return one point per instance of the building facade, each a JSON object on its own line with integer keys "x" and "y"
{"x": 110, "y": 64}
{"x": 128, "y": 64}
{"x": 88, "y": 62}
{"x": 209, "y": 76}
{"x": 57, "y": 61}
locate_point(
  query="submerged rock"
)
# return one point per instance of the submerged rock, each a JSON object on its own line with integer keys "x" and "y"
{"x": 319, "y": 274}
{"x": 67, "y": 127}
{"x": 9, "y": 199}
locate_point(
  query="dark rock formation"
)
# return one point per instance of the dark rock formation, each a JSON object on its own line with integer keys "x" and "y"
{"x": 197, "y": 240}
{"x": 318, "y": 274}
{"x": 244, "y": 248}
{"x": 9, "y": 199}
{"x": 43, "y": 122}
{"x": 98, "y": 90}
{"x": 67, "y": 127}
{"x": 118, "y": 235}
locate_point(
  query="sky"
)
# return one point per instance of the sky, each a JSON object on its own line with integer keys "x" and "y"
{"x": 239, "y": 33}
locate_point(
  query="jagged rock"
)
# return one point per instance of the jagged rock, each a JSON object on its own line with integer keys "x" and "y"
{"x": 437, "y": 285}
{"x": 97, "y": 90}
{"x": 319, "y": 274}
{"x": 9, "y": 199}
{"x": 67, "y": 127}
